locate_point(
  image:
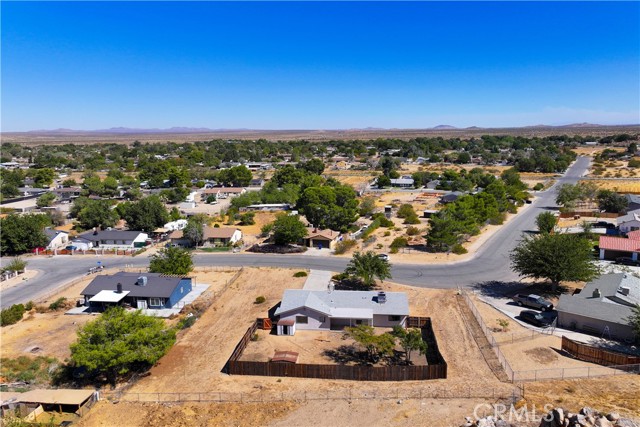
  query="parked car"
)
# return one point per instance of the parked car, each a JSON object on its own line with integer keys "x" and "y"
{"x": 38, "y": 249}
{"x": 627, "y": 261}
{"x": 71, "y": 248}
{"x": 534, "y": 318}
{"x": 533, "y": 301}
{"x": 384, "y": 257}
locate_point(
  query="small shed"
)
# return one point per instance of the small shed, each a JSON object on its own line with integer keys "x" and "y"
{"x": 428, "y": 213}
{"x": 286, "y": 327}
{"x": 285, "y": 357}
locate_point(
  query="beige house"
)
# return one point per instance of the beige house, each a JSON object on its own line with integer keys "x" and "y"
{"x": 212, "y": 236}
{"x": 318, "y": 238}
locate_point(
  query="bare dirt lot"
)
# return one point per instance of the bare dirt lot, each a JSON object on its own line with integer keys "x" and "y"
{"x": 618, "y": 185}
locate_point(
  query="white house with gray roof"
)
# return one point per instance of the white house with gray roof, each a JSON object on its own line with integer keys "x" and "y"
{"x": 602, "y": 307}
{"x": 333, "y": 310}
{"x": 629, "y": 222}
{"x": 114, "y": 239}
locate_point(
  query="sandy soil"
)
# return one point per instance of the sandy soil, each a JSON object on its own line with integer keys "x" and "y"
{"x": 310, "y": 346}
{"x": 51, "y": 333}
{"x": 523, "y": 349}
{"x": 354, "y": 178}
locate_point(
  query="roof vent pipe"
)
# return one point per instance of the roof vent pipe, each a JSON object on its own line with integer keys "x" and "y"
{"x": 596, "y": 293}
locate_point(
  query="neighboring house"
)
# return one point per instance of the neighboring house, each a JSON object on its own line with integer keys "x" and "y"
{"x": 629, "y": 222}
{"x": 325, "y": 239}
{"x": 402, "y": 182}
{"x": 602, "y": 307}
{"x": 57, "y": 239}
{"x": 114, "y": 239}
{"x": 257, "y": 182}
{"x": 223, "y": 192}
{"x": 614, "y": 247}
{"x": 67, "y": 193}
{"x": 139, "y": 290}
{"x": 451, "y": 197}
{"x": 633, "y": 201}
{"x": 333, "y": 310}
{"x": 212, "y": 236}
{"x": 268, "y": 207}
{"x": 428, "y": 213}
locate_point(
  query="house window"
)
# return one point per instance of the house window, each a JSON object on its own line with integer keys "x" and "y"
{"x": 394, "y": 318}
{"x": 358, "y": 321}
{"x": 323, "y": 319}
{"x": 302, "y": 320}
{"x": 156, "y": 302}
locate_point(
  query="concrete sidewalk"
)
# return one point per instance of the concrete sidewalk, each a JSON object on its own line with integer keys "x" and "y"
{"x": 318, "y": 280}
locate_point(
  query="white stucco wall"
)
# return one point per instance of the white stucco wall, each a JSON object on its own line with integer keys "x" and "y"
{"x": 314, "y": 319}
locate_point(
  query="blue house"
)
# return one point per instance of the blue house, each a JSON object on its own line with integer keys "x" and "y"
{"x": 138, "y": 290}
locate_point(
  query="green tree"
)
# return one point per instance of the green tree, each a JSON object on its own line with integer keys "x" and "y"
{"x": 368, "y": 266}
{"x": 69, "y": 182}
{"x": 146, "y": 215}
{"x": 97, "y": 213}
{"x": 610, "y": 201}
{"x": 329, "y": 207}
{"x": 42, "y": 177}
{"x": 288, "y": 229}
{"x": 568, "y": 195}
{"x": 22, "y": 233}
{"x": 194, "y": 230}
{"x": 314, "y": 166}
{"x": 171, "y": 261}
{"x": 634, "y": 320}
{"x": 383, "y": 181}
{"x": 45, "y": 200}
{"x": 237, "y": 176}
{"x": 367, "y": 206}
{"x": 463, "y": 158}
{"x": 410, "y": 340}
{"x": 119, "y": 342}
{"x": 546, "y": 222}
{"x": 555, "y": 257}
{"x": 374, "y": 345}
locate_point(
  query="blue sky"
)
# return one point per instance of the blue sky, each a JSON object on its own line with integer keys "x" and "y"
{"x": 93, "y": 65}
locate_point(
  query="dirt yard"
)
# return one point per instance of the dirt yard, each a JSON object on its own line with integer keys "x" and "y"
{"x": 51, "y": 333}
{"x": 526, "y": 351}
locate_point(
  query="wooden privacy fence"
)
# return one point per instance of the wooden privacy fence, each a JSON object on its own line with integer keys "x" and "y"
{"x": 436, "y": 368}
{"x": 597, "y": 355}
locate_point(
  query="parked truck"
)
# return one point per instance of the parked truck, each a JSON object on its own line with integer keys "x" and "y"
{"x": 533, "y": 301}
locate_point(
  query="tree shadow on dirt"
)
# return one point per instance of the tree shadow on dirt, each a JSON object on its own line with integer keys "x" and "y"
{"x": 346, "y": 354}
{"x": 499, "y": 289}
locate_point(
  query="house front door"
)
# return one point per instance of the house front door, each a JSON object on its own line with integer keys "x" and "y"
{"x": 285, "y": 330}
{"x": 142, "y": 304}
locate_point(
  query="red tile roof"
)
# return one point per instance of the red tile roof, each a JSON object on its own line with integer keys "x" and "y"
{"x": 619, "y": 244}
{"x": 635, "y": 235}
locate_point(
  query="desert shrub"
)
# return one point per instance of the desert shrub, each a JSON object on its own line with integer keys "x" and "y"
{"x": 406, "y": 211}
{"x": 247, "y": 218}
{"x": 260, "y": 300}
{"x": 458, "y": 249}
{"x": 412, "y": 220}
{"x": 11, "y": 315}
{"x": 300, "y": 274}
{"x": 387, "y": 233}
{"x": 216, "y": 225}
{"x": 634, "y": 163}
{"x": 266, "y": 229}
{"x": 344, "y": 245}
{"x": 29, "y": 306}
{"x": 16, "y": 264}
{"x": 370, "y": 229}
{"x": 539, "y": 186}
{"x": 383, "y": 220}
{"x": 413, "y": 231}
{"x": 186, "y": 322}
{"x": 58, "y": 304}
{"x": 399, "y": 242}
{"x": 379, "y": 246}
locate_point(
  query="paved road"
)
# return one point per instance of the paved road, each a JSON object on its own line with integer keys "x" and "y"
{"x": 490, "y": 263}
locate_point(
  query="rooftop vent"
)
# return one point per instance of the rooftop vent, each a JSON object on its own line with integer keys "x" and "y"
{"x": 142, "y": 281}
{"x": 119, "y": 288}
{"x": 382, "y": 297}
{"x": 596, "y": 293}
{"x": 624, "y": 290}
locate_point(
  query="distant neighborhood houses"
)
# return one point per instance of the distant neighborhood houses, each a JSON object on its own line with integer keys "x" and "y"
{"x": 113, "y": 239}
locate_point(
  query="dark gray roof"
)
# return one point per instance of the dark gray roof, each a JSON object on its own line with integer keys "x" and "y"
{"x": 632, "y": 198}
{"x": 157, "y": 285}
{"x": 51, "y": 233}
{"x": 109, "y": 235}
{"x": 611, "y": 305}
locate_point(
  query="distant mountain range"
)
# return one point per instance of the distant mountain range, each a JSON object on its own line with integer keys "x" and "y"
{"x": 187, "y": 130}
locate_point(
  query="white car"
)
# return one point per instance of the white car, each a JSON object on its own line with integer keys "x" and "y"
{"x": 384, "y": 257}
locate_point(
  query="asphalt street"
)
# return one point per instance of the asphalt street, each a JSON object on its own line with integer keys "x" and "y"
{"x": 490, "y": 263}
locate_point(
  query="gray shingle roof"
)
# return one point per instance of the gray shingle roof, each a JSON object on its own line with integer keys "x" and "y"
{"x": 611, "y": 305}
{"x": 338, "y": 301}
{"x": 109, "y": 235}
{"x": 157, "y": 285}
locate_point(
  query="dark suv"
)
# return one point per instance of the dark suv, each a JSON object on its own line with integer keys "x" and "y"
{"x": 534, "y": 318}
